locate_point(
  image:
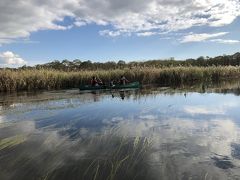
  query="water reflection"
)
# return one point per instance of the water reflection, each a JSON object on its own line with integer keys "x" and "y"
{"x": 187, "y": 148}
{"x": 158, "y": 133}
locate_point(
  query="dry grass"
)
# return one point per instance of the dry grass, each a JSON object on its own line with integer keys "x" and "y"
{"x": 16, "y": 80}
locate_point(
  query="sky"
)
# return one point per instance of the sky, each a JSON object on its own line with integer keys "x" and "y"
{"x": 39, "y": 31}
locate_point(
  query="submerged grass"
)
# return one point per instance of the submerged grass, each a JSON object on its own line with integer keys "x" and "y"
{"x": 109, "y": 158}
{"x": 12, "y": 141}
{"x": 106, "y": 157}
{"x": 16, "y": 80}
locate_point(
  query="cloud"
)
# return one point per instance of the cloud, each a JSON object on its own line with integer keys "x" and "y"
{"x": 201, "y": 37}
{"x": 148, "y": 33}
{"x": 18, "y": 19}
{"x": 80, "y": 23}
{"x": 9, "y": 58}
{"x": 162, "y": 15}
{"x": 225, "y": 41}
{"x": 110, "y": 33}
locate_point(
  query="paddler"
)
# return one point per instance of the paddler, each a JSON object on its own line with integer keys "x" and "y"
{"x": 96, "y": 81}
{"x": 123, "y": 80}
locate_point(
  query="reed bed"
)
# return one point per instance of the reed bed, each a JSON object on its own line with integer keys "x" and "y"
{"x": 17, "y": 80}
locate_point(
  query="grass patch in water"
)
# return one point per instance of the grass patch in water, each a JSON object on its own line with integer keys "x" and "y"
{"x": 108, "y": 158}
{"x": 12, "y": 141}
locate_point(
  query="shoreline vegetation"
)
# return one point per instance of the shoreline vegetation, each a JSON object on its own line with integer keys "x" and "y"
{"x": 71, "y": 74}
{"x": 50, "y": 79}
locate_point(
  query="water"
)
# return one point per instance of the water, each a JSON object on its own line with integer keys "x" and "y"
{"x": 153, "y": 133}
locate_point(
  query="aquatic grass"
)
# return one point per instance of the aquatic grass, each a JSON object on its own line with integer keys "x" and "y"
{"x": 115, "y": 167}
{"x": 4, "y": 124}
{"x": 108, "y": 157}
{"x": 96, "y": 173}
{"x": 17, "y": 80}
{"x": 12, "y": 141}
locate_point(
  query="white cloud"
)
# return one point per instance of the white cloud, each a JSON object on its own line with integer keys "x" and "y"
{"x": 201, "y": 37}
{"x": 225, "y": 41}
{"x": 110, "y": 33}
{"x": 18, "y": 19}
{"x": 9, "y": 58}
{"x": 148, "y": 33}
{"x": 80, "y": 23}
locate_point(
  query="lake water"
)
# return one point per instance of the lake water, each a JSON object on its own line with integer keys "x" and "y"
{"x": 152, "y": 134}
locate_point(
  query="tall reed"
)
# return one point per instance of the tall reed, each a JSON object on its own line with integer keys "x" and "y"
{"x": 16, "y": 80}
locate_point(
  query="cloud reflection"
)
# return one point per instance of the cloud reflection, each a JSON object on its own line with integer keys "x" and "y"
{"x": 210, "y": 110}
{"x": 203, "y": 110}
{"x": 1, "y": 119}
{"x": 187, "y": 142}
{"x": 200, "y": 142}
{"x": 178, "y": 145}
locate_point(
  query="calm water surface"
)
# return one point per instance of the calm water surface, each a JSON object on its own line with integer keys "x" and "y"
{"x": 152, "y": 134}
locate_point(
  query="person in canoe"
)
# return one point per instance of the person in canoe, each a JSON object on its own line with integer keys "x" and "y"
{"x": 123, "y": 80}
{"x": 112, "y": 83}
{"x": 96, "y": 81}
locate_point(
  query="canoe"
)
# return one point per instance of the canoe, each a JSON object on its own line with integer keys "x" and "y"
{"x": 117, "y": 86}
{"x": 126, "y": 86}
{"x": 89, "y": 87}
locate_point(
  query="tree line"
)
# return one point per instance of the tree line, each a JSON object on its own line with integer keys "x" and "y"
{"x": 76, "y": 65}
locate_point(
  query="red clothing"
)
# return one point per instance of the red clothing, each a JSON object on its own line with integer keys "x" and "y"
{"x": 94, "y": 82}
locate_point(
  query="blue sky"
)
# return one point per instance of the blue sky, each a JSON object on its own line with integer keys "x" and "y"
{"x": 34, "y": 32}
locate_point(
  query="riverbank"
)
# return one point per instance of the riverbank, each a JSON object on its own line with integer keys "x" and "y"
{"x": 18, "y": 80}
